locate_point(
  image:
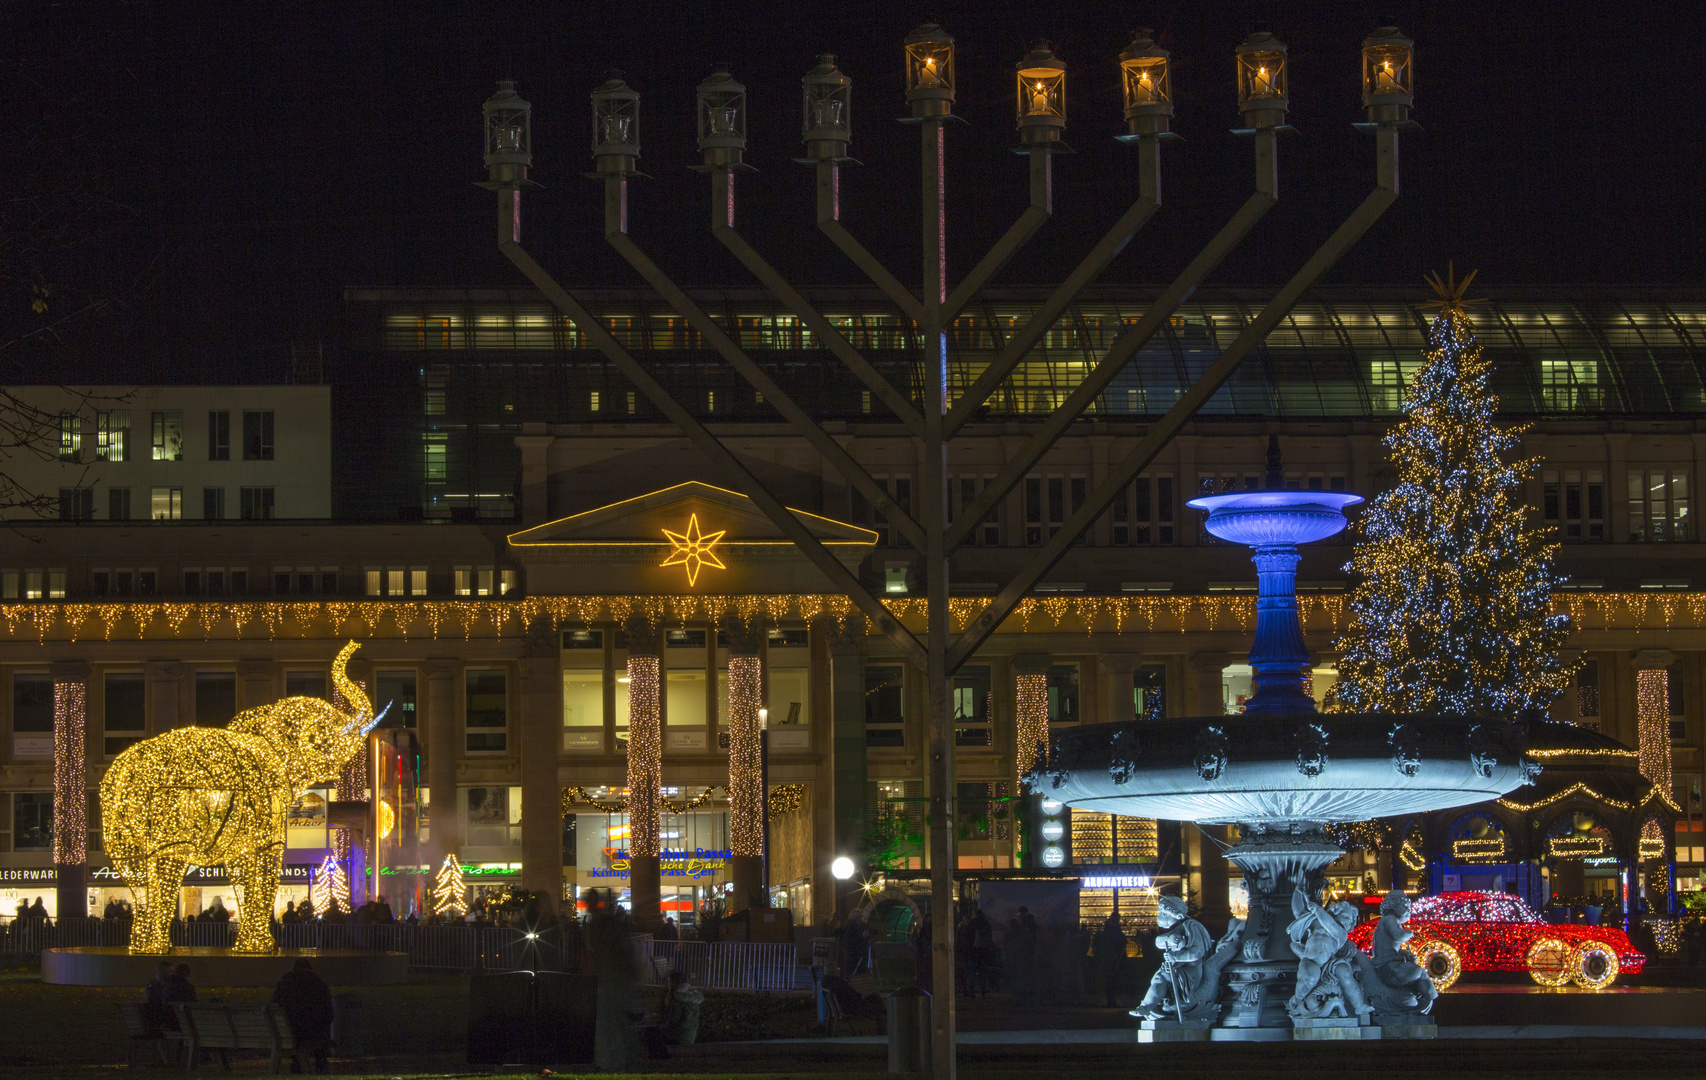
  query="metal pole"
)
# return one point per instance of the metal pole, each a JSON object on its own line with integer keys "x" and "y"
{"x": 764, "y": 797}
{"x": 939, "y": 718}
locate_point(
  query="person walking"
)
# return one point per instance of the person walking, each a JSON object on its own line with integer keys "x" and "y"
{"x": 307, "y": 1004}
{"x": 157, "y": 1000}
{"x": 1109, "y": 950}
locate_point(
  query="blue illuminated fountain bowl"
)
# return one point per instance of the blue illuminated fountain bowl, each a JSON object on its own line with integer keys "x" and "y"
{"x": 1267, "y": 518}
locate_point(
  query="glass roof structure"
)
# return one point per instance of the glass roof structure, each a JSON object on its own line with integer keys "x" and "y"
{"x": 1344, "y": 352}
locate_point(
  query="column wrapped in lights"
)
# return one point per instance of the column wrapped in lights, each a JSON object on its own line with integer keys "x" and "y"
{"x": 747, "y": 797}
{"x": 645, "y": 751}
{"x": 1652, "y": 715}
{"x": 71, "y": 786}
{"x": 1031, "y": 718}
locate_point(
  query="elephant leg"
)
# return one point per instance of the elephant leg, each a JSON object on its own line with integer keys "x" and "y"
{"x": 151, "y": 933}
{"x": 258, "y": 878}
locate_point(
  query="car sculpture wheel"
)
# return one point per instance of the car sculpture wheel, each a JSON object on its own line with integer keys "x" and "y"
{"x": 1484, "y": 931}
{"x": 1549, "y": 961}
{"x": 1441, "y": 960}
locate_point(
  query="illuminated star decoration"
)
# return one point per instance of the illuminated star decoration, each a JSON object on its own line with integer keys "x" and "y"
{"x": 694, "y": 549}
{"x": 1450, "y": 291}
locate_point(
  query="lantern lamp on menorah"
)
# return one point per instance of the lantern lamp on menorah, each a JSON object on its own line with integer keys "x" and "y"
{"x": 826, "y": 113}
{"x": 1040, "y": 98}
{"x": 930, "y": 71}
{"x": 1146, "y": 82}
{"x": 615, "y": 127}
{"x": 1262, "y": 82}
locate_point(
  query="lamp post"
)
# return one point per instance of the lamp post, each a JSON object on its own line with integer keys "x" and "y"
{"x": 930, "y": 418}
{"x": 764, "y": 796}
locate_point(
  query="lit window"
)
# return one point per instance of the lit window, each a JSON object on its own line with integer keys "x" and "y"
{"x": 894, "y": 578}
{"x": 594, "y": 404}
{"x": 70, "y": 437}
{"x": 464, "y": 581}
{"x": 167, "y": 504}
{"x": 417, "y": 581}
{"x": 394, "y": 581}
{"x": 1658, "y": 505}
{"x": 373, "y": 582}
{"x": 168, "y": 435}
{"x": 112, "y": 435}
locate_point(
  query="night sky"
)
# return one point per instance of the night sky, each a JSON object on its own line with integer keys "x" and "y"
{"x": 190, "y": 186}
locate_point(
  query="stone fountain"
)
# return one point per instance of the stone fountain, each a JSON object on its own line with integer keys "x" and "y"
{"x": 1280, "y": 771}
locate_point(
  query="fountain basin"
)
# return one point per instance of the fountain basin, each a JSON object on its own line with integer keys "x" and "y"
{"x": 1263, "y": 518}
{"x": 1283, "y": 769}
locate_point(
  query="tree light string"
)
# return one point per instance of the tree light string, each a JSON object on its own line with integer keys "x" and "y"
{"x": 448, "y": 889}
{"x": 70, "y": 774}
{"x": 746, "y": 785}
{"x": 645, "y": 756}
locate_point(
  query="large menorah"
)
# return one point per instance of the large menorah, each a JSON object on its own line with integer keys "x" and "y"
{"x": 936, "y": 420}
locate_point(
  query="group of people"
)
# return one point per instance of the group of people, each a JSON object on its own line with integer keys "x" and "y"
{"x": 374, "y": 909}
{"x": 301, "y": 993}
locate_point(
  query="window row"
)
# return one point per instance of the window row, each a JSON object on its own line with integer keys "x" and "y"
{"x": 166, "y": 504}
{"x": 122, "y": 581}
{"x": 166, "y": 435}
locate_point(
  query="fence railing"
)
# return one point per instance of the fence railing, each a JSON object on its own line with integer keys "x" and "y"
{"x": 717, "y": 965}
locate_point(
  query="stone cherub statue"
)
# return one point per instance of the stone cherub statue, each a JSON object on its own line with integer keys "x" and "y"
{"x": 1395, "y": 984}
{"x": 1326, "y": 970}
{"x": 1188, "y": 984}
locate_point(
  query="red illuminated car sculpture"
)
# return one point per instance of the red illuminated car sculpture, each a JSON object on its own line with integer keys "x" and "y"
{"x": 1484, "y": 931}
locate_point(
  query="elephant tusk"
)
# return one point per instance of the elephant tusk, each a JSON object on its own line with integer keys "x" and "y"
{"x": 377, "y": 719}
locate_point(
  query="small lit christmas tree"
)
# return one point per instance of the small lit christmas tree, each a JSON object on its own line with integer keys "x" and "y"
{"x": 448, "y": 888}
{"x": 330, "y": 890}
{"x": 1452, "y": 608}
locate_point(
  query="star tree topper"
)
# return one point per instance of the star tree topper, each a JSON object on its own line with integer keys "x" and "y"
{"x": 694, "y": 550}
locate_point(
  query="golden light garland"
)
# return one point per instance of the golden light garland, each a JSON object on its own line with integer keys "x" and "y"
{"x": 786, "y": 798}
{"x": 70, "y": 774}
{"x": 448, "y": 889}
{"x": 1411, "y": 857}
{"x": 1493, "y": 848}
{"x": 499, "y": 618}
{"x": 645, "y": 756}
{"x": 1652, "y": 844}
{"x": 1544, "y": 755}
{"x": 1580, "y": 788}
{"x": 1575, "y": 847}
{"x": 218, "y": 796}
{"x": 746, "y": 785}
{"x": 1652, "y": 717}
{"x": 573, "y": 796}
{"x": 1031, "y": 719}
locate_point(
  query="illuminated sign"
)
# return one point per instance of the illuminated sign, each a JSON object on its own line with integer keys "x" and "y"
{"x": 1489, "y": 848}
{"x": 1115, "y": 881}
{"x": 1577, "y": 845}
{"x": 201, "y": 875}
{"x": 693, "y": 549}
{"x": 698, "y": 863}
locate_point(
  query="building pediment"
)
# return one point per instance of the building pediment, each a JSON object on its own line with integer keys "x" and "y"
{"x": 691, "y": 537}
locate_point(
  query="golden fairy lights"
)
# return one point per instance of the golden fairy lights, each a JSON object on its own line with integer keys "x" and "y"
{"x": 1652, "y": 844}
{"x": 1652, "y": 717}
{"x": 448, "y": 888}
{"x": 746, "y": 786}
{"x": 218, "y": 796}
{"x": 1031, "y": 720}
{"x": 645, "y": 756}
{"x": 1579, "y": 788}
{"x": 70, "y": 774}
{"x": 785, "y": 799}
{"x": 243, "y": 620}
{"x": 329, "y": 891}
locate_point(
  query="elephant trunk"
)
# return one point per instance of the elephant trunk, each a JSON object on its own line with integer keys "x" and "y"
{"x": 361, "y": 709}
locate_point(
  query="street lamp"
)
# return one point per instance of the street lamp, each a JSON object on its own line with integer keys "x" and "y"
{"x": 1148, "y": 86}
{"x": 826, "y": 123}
{"x": 930, "y": 71}
{"x": 1387, "y": 90}
{"x": 1041, "y": 96}
{"x": 842, "y": 868}
{"x": 509, "y": 136}
{"x": 615, "y": 126}
{"x": 764, "y": 796}
{"x": 722, "y": 120}
{"x": 1261, "y": 81}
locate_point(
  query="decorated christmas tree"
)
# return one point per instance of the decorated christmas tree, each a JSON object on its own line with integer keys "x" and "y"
{"x": 330, "y": 889}
{"x": 448, "y": 888}
{"x": 1452, "y": 606}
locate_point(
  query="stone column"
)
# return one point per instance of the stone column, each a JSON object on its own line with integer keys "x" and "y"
{"x": 645, "y": 770}
{"x": 1030, "y": 728}
{"x": 1205, "y": 685}
{"x": 848, "y": 776}
{"x": 165, "y": 681}
{"x": 259, "y": 680}
{"x": 541, "y": 791}
{"x": 442, "y": 753}
{"x": 746, "y": 787}
{"x": 1117, "y": 672}
{"x": 71, "y": 785}
{"x": 1617, "y": 485}
{"x": 535, "y": 447}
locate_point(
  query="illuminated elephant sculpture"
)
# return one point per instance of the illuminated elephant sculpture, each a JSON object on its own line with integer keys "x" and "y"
{"x": 211, "y": 796}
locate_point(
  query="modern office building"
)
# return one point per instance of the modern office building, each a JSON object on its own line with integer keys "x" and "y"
{"x": 509, "y": 534}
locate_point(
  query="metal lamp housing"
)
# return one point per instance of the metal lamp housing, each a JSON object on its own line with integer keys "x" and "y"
{"x": 1040, "y": 96}
{"x": 509, "y": 135}
{"x": 1261, "y": 80}
{"x": 722, "y": 119}
{"x": 826, "y": 110}
{"x": 1388, "y": 69}
{"x": 930, "y": 71}
{"x": 615, "y": 126}
{"x": 1147, "y": 82}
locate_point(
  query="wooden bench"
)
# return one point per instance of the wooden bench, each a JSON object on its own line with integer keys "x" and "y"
{"x": 140, "y": 1029}
{"x": 234, "y": 1027}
